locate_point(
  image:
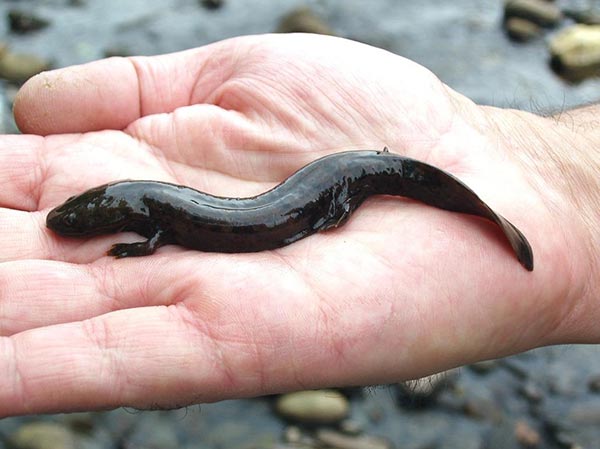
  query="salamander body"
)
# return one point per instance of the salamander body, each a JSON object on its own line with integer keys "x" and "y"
{"x": 319, "y": 196}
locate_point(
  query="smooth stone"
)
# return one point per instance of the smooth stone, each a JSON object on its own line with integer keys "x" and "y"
{"x": 23, "y": 22}
{"x": 351, "y": 427}
{"x": 313, "y": 406}
{"x": 526, "y": 435}
{"x": 304, "y": 20}
{"x": 594, "y": 383}
{"x": 585, "y": 16}
{"x": 576, "y": 51}
{"x": 333, "y": 439}
{"x": 292, "y": 434}
{"x": 42, "y": 435}
{"x": 537, "y": 11}
{"x": 212, "y": 4}
{"x": 19, "y": 67}
{"x": 482, "y": 406}
{"x": 82, "y": 422}
{"x": 522, "y": 30}
{"x": 532, "y": 392}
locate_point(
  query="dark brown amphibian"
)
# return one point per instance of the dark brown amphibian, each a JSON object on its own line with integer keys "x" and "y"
{"x": 319, "y": 196}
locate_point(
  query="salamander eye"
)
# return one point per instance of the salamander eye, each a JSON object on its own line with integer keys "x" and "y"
{"x": 69, "y": 219}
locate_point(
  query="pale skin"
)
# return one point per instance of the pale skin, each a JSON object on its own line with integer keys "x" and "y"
{"x": 401, "y": 291}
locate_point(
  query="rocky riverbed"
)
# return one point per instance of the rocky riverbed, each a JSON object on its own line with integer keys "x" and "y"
{"x": 547, "y": 398}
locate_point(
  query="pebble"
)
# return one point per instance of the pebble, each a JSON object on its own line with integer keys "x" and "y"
{"x": 304, "y": 20}
{"x": 576, "y": 51}
{"x": 532, "y": 392}
{"x": 586, "y": 16}
{"x": 526, "y": 435}
{"x": 333, "y": 439}
{"x": 313, "y": 406}
{"x": 522, "y": 30}
{"x": 351, "y": 427}
{"x": 540, "y": 12}
{"x": 82, "y": 422}
{"x": 482, "y": 407}
{"x": 212, "y": 4}
{"x": 19, "y": 67}
{"x": 118, "y": 50}
{"x": 42, "y": 435}
{"x": 594, "y": 383}
{"x": 292, "y": 434}
{"x": 23, "y": 22}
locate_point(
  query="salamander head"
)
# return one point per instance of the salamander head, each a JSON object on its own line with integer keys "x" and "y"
{"x": 91, "y": 213}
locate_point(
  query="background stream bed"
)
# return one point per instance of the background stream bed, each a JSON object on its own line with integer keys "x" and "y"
{"x": 547, "y": 398}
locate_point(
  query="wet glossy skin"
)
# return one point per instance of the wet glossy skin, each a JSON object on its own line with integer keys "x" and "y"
{"x": 319, "y": 196}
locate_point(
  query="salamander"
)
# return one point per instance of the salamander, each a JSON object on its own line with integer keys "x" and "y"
{"x": 319, "y": 196}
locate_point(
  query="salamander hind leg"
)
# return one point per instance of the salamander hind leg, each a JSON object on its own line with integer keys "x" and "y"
{"x": 121, "y": 250}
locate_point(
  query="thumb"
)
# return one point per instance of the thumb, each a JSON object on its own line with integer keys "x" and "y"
{"x": 112, "y": 93}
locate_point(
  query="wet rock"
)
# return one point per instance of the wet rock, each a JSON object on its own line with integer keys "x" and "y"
{"x": 585, "y": 16}
{"x": 42, "y": 435}
{"x": 532, "y": 392}
{"x": 594, "y": 383}
{"x": 292, "y": 434}
{"x": 304, "y": 20}
{"x": 212, "y": 4}
{"x": 18, "y": 67}
{"x": 576, "y": 51}
{"x": 333, "y": 439}
{"x": 118, "y": 50}
{"x": 542, "y": 13}
{"x": 526, "y": 435}
{"x": 24, "y": 22}
{"x": 316, "y": 407}
{"x": 482, "y": 405}
{"x": 351, "y": 427}
{"x": 82, "y": 423}
{"x": 424, "y": 392}
{"x": 521, "y": 30}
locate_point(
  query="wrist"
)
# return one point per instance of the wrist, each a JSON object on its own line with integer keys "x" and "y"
{"x": 560, "y": 156}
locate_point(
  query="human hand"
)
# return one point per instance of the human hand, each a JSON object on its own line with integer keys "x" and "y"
{"x": 400, "y": 291}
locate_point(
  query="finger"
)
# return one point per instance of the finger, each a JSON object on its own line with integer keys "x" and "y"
{"x": 112, "y": 93}
{"x": 112, "y": 360}
{"x": 39, "y": 293}
{"x": 208, "y": 349}
{"x": 39, "y": 172}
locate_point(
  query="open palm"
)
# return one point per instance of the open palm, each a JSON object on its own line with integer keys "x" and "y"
{"x": 401, "y": 290}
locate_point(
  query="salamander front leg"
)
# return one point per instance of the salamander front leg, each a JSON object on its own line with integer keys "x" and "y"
{"x": 120, "y": 250}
